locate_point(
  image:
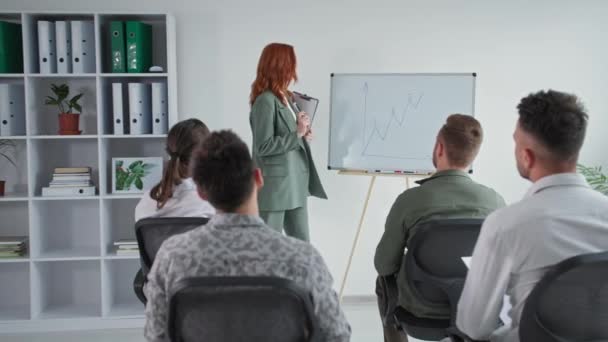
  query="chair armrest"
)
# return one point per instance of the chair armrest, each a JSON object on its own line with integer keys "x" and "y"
{"x": 138, "y": 286}
{"x": 388, "y": 304}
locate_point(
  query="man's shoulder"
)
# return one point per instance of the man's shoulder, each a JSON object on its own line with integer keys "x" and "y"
{"x": 181, "y": 242}
{"x": 429, "y": 189}
{"x": 512, "y": 217}
{"x": 288, "y": 243}
{"x": 490, "y": 193}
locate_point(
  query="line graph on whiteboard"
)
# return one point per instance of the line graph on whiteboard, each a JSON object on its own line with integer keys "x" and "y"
{"x": 379, "y": 135}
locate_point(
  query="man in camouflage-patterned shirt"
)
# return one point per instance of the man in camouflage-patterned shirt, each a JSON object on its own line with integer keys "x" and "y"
{"x": 236, "y": 242}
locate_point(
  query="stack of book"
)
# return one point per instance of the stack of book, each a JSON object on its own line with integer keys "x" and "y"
{"x": 13, "y": 246}
{"x": 70, "y": 181}
{"x": 126, "y": 247}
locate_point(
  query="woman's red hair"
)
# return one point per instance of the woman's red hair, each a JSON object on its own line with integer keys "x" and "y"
{"x": 276, "y": 69}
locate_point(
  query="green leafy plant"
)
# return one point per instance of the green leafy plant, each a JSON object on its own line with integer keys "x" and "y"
{"x": 6, "y": 146}
{"x": 595, "y": 177}
{"x": 60, "y": 100}
{"x": 132, "y": 175}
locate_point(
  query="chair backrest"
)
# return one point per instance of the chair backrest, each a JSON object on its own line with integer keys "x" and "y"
{"x": 433, "y": 262}
{"x": 570, "y": 303}
{"x": 235, "y": 309}
{"x": 152, "y": 232}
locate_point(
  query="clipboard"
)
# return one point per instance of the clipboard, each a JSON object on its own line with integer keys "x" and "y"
{"x": 306, "y": 104}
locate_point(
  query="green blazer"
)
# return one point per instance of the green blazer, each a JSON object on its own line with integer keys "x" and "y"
{"x": 289, "y": 172}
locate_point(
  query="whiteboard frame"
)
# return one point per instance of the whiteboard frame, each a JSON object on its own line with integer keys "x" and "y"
{"x": 332, "y": 75}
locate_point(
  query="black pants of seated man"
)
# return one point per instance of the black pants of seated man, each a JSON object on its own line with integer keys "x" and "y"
{"x": 391, "y": 333}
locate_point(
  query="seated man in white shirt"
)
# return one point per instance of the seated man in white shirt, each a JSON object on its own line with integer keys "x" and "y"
{"x": 559, "y": 217}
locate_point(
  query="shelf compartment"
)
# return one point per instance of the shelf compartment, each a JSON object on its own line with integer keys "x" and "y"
{"x": 106, "y": 100}
{"x": 30, "y": 31}
{"x": 126, "y": 148}
{"x": 67, "y": 289}
{"x": 16, "y": 185}
{"x": 119, "y": 298}
{"x": 118, "y": 217}
{"x": 15, "y": 294}
{"x": 50, "y": 154}
{"x": 159, "y": 37}
{"x": 61, "y": 232}
{"x": 43, "y": 119}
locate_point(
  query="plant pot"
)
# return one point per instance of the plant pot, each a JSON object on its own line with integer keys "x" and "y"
{"x": 2, "y": 187}
{"x": 69, "y": 124}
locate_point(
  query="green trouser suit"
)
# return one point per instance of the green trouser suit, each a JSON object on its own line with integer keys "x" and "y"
{"x": 286, "y": 162}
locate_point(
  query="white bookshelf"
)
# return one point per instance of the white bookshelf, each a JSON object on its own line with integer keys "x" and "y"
{"x": 72, "y": 277}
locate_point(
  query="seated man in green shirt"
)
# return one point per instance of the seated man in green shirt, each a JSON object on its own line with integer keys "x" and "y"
{"x": 449, "y": 193}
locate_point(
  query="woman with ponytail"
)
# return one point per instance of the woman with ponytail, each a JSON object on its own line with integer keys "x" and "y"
{"x": 176, "y": 195}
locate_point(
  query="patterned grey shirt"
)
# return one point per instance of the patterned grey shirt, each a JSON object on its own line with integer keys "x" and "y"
{"x": 240, "y": 245}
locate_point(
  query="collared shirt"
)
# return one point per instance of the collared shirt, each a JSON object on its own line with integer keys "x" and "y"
{"x": 240, "y": 245}
{"x": 446, "y": 195}
{"x": 560, "y": 217}
{"x": 185, "y": 202}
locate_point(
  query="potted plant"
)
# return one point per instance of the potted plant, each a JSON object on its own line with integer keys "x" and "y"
{"x": 68, "y": 120}
{"x": 595, "y": 177}
{"x": 6, "y": 146}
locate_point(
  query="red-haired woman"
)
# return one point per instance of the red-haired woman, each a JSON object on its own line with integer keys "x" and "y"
{"x": 280, "y": 144}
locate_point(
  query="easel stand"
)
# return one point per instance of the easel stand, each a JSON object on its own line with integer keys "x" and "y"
{"x": 365, "y": 205}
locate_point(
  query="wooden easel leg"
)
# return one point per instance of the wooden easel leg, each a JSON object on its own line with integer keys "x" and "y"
{"x": 357, "y": 235}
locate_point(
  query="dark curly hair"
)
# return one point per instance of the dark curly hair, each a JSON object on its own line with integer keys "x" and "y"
{"x": 223, "y": 168}
{"x": 557, "y": 120}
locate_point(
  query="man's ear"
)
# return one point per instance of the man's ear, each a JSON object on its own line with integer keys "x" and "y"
{"x": 529, "y": 158}
{"x": 258, "y": 178}
{"x": 440, "y": 148}
{"x": 202, "y": 193}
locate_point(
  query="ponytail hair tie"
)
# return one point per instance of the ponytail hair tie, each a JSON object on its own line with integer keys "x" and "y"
{"x": 174, "y": 155}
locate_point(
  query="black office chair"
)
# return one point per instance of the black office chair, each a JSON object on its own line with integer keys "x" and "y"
{"x": 436, "y": 275}
{"x": 241, "y": 309}
{"x": 150, "y": 234}
{"x": 570, "y": 303}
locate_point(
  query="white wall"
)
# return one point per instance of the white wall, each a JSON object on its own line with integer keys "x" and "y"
{"x": 515, "y": 47}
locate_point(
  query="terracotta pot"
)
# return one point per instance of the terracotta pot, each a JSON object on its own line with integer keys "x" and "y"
{"x": 69, "y": 124}
{"x": 2, "y": 187}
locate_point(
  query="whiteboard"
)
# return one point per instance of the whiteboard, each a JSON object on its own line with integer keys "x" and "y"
{"x": 389, "y": 122}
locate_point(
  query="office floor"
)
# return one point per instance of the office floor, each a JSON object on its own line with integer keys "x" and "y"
{"x": 363, "y": 318}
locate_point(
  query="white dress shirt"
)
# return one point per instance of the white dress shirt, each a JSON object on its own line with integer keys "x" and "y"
{"x": 560, "y": 217}
{"x": 185, "y": 202}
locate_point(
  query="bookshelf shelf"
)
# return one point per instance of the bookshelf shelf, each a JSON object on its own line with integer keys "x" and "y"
{"x": 14, "y": 198}
{"x": 138, "y": 136}
{"x": 67, "y": 254}
{"x": 11, "y": 76}
{"x": 84, "y": 75}
{"x": 122, "y": 257}
{"x": 121, "y": 196}
{"x": 14, "y": 260}
{"x": 71, "y": 272}
{"x": 64, "y": 198}
{"x": 127, "y": 75}
{"x": 63, "y": 137}
{"x": 14, "y": 137}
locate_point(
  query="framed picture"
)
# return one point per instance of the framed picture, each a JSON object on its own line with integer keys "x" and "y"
{"x": 135, "y": 175}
